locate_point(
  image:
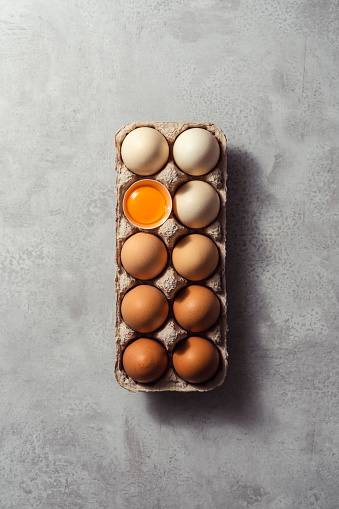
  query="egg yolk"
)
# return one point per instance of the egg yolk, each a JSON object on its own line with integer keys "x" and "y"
{"x": 146, "y": 205}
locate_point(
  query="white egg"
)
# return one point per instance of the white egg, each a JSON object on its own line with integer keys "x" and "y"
{"x": 196, "y": 151}
{"x": 196, "y": 204}
{"x": 144, "y": 151}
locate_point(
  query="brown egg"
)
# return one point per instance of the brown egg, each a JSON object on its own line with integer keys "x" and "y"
{"x": 196, "y": 359}
{"x": 144, "y": 308}
{"x": 145, "y": 360}
{"x": 196, "y": 308}
{"x": 144, "y": 256}
{"x": 195, "y": 257}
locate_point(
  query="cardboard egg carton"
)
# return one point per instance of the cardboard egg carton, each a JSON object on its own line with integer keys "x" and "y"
{"x": 169, "y": 281}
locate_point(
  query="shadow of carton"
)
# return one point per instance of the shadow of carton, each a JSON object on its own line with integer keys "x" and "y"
{"x": 238, "y": 400}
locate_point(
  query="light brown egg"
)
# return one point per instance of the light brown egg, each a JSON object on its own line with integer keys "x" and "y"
{"x": 144, "y": 256}
{"x": 144, "y": 308}
{"x": 196, "y": 308}
{"x": 195, "y": 257}
{"x": 145, "y": 360}
{"x": 196, "y": 359}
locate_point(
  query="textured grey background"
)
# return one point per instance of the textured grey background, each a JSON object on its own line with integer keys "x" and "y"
{"x": 72, "y": 73}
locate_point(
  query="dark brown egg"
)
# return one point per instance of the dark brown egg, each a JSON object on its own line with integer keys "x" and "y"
{"x": 145, "y": 360}
{"x": 196, "y": 359}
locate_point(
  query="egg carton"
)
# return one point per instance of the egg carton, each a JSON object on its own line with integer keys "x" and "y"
{"x": 169, "y": 281}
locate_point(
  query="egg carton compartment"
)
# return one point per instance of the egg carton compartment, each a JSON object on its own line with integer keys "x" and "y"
{"x": 169, "y": 281}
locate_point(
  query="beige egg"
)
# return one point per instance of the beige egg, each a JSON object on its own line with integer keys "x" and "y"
{"x": 196, "y": 204}
{"x": 144, "y": 255}
{"x": 144, "y": 151}
{"x": 196, "y": 151}
{"x": 195, "y": 257}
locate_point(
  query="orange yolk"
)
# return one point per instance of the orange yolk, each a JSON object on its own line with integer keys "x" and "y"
{"x": 146, "y": 205}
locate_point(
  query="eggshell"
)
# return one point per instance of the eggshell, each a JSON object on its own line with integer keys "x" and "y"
{"x": 144, "y": 151}
{"x": 144, "y": 308}
{"x": 196, "y": 204}
{"x": 195, "y": 257}
{"x": 196, "y": 308}
{"x": 145, "y": 360}
{"x": 196, "y": 359}
{"x": 144, "y": 255}
{"x": 196, "y": 151}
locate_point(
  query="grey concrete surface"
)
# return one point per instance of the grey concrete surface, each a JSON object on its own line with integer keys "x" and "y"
{"x": 72, "y": 72}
